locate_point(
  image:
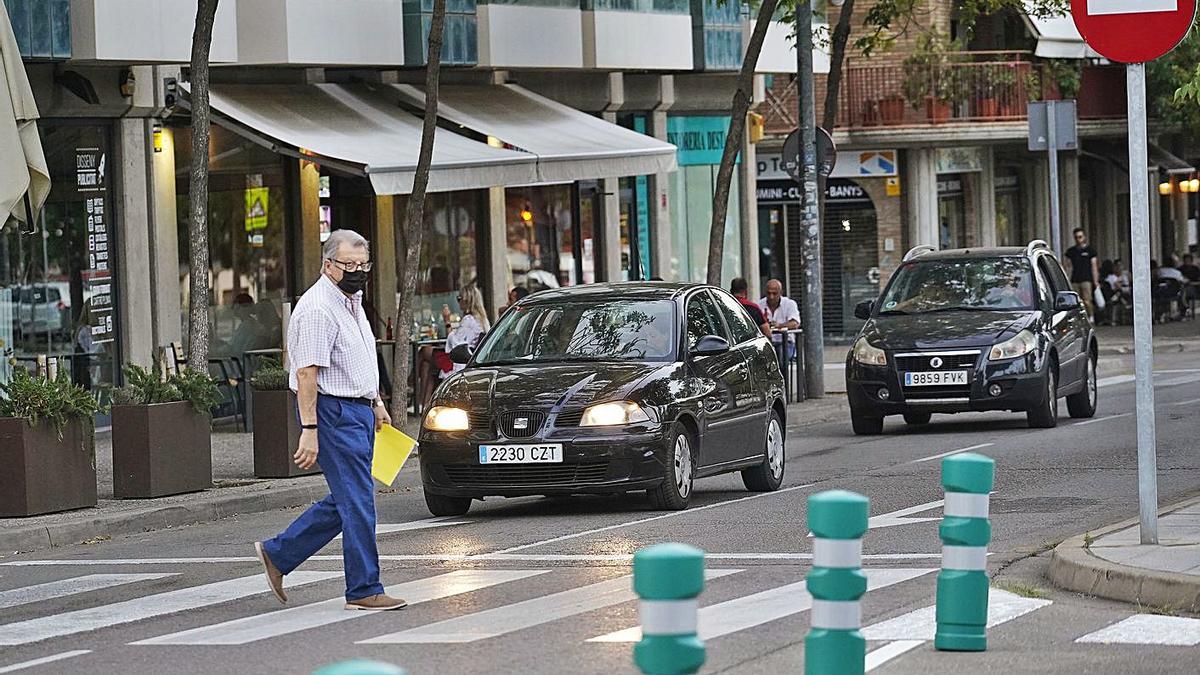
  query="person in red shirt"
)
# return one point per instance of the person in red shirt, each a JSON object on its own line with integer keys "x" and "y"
{"x": 741, "y": 290}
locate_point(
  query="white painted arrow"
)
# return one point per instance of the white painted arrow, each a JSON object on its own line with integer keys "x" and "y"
{"x": 899, "y": 517}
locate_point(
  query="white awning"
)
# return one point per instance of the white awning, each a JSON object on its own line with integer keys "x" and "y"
{"x": 364, "y": 129}
{"x": 1057, "y": 37}
{"x": 569, "y": 145}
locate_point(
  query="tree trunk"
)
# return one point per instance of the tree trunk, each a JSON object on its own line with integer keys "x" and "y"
{"x": 408, "y": 246}
{"x": 837, "y": 57}
{"x": 733, "y": 139}
{"x": 198, "y": 254}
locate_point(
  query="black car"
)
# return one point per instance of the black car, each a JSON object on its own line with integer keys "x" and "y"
{"x": 607, "y": 388}
{"x": 973, "y": 330}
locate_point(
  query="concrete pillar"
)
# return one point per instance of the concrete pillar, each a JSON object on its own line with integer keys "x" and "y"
{"x": 1156, "y": 224}
{"x": 987, "y": 198}
{"x": 1040, "y": 193}
{"x": 660, "y": 188}
{"x": 1069, "y": 189}
{"x": 921, "y": 179}
{"x": 163, "y": 263}
{"x": 308, "y": 248}
{"x": 133, "y": 240}
{"x": 608, "y": 236}
{"x": 747, "y": 176}
{"x": 493, "y": 253}
{"x": 383, "y": 252}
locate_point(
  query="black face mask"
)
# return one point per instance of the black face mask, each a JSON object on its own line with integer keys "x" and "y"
{"x": 352, "y": 282}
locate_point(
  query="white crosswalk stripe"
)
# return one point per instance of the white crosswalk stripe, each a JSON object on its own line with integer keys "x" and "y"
{"x": 425, "y": 524}
{"x": 137, "y": 609}
{"x": 72, "y": 586}
{"x": 754, "y": 610}
{"x": 1148, "y": 629}
{"x": 286, "y": 621}
{"x": 521, "y": 615}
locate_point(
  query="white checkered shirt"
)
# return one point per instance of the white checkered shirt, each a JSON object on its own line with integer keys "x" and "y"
{"x": 330, "y": 331}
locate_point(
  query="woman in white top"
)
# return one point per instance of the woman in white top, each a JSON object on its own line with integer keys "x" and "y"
{"x": 470, "y": 331}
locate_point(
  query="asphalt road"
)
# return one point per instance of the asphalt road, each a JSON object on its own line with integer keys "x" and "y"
{"x": 525, "y": 586}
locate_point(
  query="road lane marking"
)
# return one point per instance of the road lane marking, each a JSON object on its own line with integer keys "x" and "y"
{"x": 511, "y": 618}
{"x": 754, "y": 610}
{"x": 1193, "y": 401}
{"x": 433, "y": 557}
{"x": 640, "y": 521}
{"x": 889, "y": 651}
{"x": 44, "y": 660}
{"x": 65, "y": 587}
{"x": 1084, "y": 423}
{"x": 146, "y": 607}
{"x": 1115, "y": 380}
{"x": 1148, "y": 629}
{"x": 952, "y": 452}
{"x": 898, "y": 517}
{"x": 427, "y": 523}
{"x": 282, "y": 622}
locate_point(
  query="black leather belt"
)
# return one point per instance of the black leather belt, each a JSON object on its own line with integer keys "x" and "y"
{"x": 369, "y": 402}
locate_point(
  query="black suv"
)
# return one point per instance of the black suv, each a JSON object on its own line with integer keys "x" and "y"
{"x": 972, "y": 330}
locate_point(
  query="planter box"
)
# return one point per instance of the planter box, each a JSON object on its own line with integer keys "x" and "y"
{"x": 988, "y": 109}
{"x": 891, "y": 110}
{"x": 276, "y": 434}
{"x": 42, "y": 473}
{"x": 937, "y": 111}
{"x": 158, "y": 450}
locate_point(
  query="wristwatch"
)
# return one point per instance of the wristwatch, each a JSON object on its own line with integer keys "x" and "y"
{"x": 308, "y": 426}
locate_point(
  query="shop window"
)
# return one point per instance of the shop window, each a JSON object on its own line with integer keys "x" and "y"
{"x": 248, "y": 221}
{"x": 661, "y": 6}
{"x": 459, "y": 35}
{"x": 952, "y": 212}
{"x": 449, "y": 254}
{"x": 691, "y": 214}
{"x": 42, "y": 28}
{"x": 58, "y": 293}
{"x": 551, "y": 238}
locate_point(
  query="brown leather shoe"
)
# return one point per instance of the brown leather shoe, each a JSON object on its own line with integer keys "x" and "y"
{"x": 274, "y": 576}
{"x": 380, "y": 602}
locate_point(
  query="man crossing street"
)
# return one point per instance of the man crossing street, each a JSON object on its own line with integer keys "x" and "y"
{"x": 332, "y": 362}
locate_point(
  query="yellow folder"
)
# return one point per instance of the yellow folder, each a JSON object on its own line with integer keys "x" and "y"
{"x": 392, "y": 448}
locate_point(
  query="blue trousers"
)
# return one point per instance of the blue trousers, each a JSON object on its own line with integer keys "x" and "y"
{"x": 346, "y": 434}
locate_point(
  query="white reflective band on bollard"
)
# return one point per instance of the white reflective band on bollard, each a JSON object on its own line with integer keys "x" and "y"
{"x": 966, "y": 505}
{"x": 964, "y": 557}
{"x": 837, "y": 553}
{"x": 668, "y": 617}
{"x": 836, "y": 614}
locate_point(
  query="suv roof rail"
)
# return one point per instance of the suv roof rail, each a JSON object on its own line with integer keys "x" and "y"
{"x": 1036, "y": 244}
{"x": 918, "y": 250}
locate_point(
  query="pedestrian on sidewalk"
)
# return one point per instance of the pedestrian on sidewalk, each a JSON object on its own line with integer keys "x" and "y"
{"x": 332, "y": 363}
{"x": 741, "y": 290}
{"x": 1083, "y": 264}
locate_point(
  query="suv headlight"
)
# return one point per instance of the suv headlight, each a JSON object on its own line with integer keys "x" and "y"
{"x": 1019, "y": 345}
{"x": 613, "y": 414}
{"x": 865, "y": 353}
{"x": 446, "y": 418}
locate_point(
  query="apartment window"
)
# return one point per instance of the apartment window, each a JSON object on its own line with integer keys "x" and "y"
{"x": 459, "y": 41}
{"x": 661, "y": 6}
{"x": 562, "y": 4}
{"x": 717, "y": 29}
{"x": 42, "y": 27}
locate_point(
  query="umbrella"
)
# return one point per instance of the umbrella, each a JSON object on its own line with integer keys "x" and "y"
{"x": 24, "y": 178}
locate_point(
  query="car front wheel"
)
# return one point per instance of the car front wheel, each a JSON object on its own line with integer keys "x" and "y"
{"x": 678, "y": 472}
{"x": 768, "y": 476}
{"x": 1045, "y": 414}
{"x": 1083, "y": 404}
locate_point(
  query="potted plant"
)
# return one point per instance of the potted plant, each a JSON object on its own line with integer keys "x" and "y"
{"x": 47, "y": 446}
{"x": 930, "y": 79}
{"x": 276, "y": 425}
{"x": 891, "y": 109}
{"x": 162, "y": 440}
{"x": 996, "y": 97}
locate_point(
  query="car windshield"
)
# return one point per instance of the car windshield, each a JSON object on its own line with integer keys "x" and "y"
{"x": 965, "y": 284}
{"x": 602, "y": 330}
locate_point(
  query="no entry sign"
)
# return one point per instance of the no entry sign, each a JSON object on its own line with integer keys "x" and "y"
{"x": 1133, "y": 31}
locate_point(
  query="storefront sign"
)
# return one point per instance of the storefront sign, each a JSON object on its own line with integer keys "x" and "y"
{"x": 836, "y": 190}
{"x": 258, "y": 200}
{"x": 949, "y": 186}
{"x": 850, "y": 164}
{"x": 700, "y": 139}
{"x": 959, "y": 160}
{"x": 1008, "y": 182}
{"x": 89, "y": 169}
{"x": 99, "y": 273}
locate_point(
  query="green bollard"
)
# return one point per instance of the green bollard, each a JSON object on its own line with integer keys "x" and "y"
{"x": 834, "y": 645}
{"x": 360, "y": 667}
{"x": 962, "y": 585}
{"x": 668, "y": 578}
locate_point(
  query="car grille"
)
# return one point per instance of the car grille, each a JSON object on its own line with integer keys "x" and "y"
{"x": 949, "y": 362}
{"x": 927, "y": 393}
{"x": 527, "y": 474}
{"x": 921, "y": 363}
{"x": 534, "y": 421}
{"x": 479, "y": 421}
{"x": 569, "y": 418}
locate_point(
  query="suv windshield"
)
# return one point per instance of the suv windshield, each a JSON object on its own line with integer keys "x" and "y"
{"x": 605, "y": 330}
{"x": 969, "y": 283}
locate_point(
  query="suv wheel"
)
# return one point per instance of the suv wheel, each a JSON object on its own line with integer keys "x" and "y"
{"x": 917, "y": 418}
{"x": 1045, "y": 414}
{"x": 1083, "y": 404}
{"x": 678, "y": 472}
{"x": 768, "y": 476}
{"x": 441, "y": 505}
{"x": 865, "y": 425}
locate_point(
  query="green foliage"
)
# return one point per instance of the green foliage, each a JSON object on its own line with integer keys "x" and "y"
{"x": 927, "y": 71}
{"x": 270, "y": 376}
{"x": 888, "y": 20}
{"x": 150, "y": 387}
{"x": 56, "y": 402}
{"x": 1173, "y": 85}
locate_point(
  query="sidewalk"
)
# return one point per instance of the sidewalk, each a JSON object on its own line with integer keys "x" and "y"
{"x": 235, "y": 492}
{"x": 1177, "y": 336}
{"x": 1112, "y": 563}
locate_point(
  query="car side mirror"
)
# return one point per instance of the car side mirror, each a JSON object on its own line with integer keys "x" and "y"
{"x": 461, "y": 354}
{"x": 863, "y": 310}
{"x": 1065, "y": 301}
{"x": 710, "y": 345}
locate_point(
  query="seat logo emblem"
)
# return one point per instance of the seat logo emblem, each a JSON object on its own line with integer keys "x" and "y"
{"x": 935, "y": 362}
{"x": 521, "y": 423}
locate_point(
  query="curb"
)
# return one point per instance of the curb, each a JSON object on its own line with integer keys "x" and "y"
{"x": 1074, "y": 568}
{"x": 1159, "y": 347}
{"x": 24, "y": 539}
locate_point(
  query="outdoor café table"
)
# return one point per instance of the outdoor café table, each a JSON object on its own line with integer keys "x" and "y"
{"x": 794, "y": 337}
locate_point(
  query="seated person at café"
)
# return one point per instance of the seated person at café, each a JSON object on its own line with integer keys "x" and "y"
{"x": 435, "y": 364}
{"x": 780, "y": 311}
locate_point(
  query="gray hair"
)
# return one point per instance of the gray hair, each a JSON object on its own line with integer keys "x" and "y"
{"x": 337, "y": 238}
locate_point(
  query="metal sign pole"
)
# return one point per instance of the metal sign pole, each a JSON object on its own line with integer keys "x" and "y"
{"x": 1139, "y": 224}
{"x": 1052, "y": 152}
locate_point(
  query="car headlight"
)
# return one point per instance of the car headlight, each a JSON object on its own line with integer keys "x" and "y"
{"x": 1019, "y": 345}
{"x": 865, "y": 353}
{"x": 446, "y": 418}
{"x": 613, "y": 414}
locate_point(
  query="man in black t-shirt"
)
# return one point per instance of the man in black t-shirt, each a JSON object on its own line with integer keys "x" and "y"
{"x": 1083, "y": 265}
